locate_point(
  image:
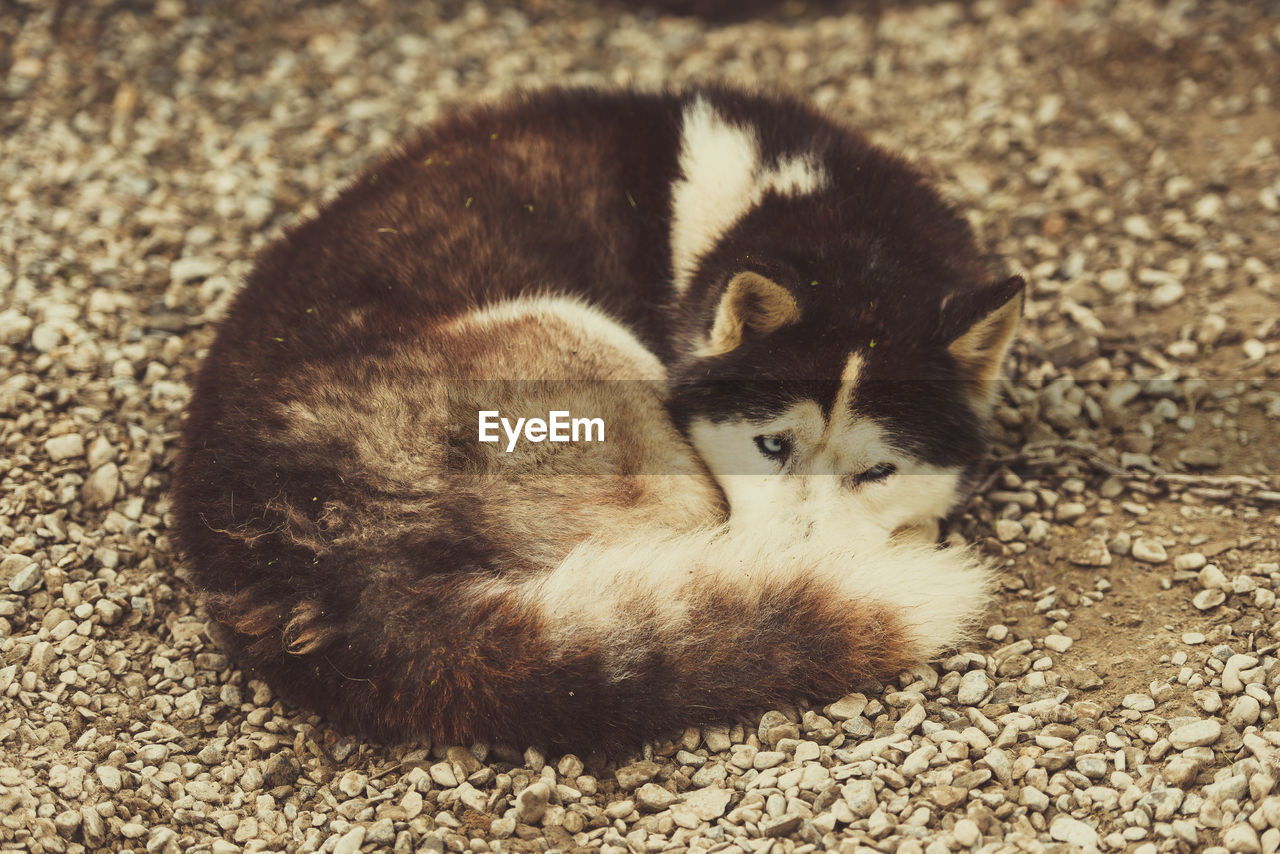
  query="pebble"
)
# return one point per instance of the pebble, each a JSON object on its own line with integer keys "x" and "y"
{"x": 1058, "y": 643}
{"x": 654, "y": 798}
{"x": 442, "y": 774}
{"x": 351, "y": 841}
{"x": 1244, "y": 712}
{"x": 1212, "y": 578}
{"x": 531, "y": 803}
{"x": 636, "y": 774}
{"x": 1189, "y": 561}
{"x": 1242, "y": 838}
{"x": 1167, "y": 294}
{"x": 1195, "y": 734}
{"x": 62, "y": 448}
{"x": 910, "y": 720}
{"x": 974, "y": 685}
{"x": 26, "y": 579}
{"x": 1148, "y": 550}
{"x": 1208, "y": 699}
{"x": 1206, "y": 600}
{"x": 774, "y": 828}
{"x": 706, "y": 804}
{"x": 860, "y": 796}
{"x": 1092, "y": 551}
{"x": 1008, "y": 530}
{"x": 1069, "y": 511}
{"x": 1138, "y": 702}
{"x": 1074, "y": 832}
{"x": 1231, "y": 681}
{"x": 967, "y": 833}
{"x": 849, "y": 706}
{"x": 765, "y": 759}
{"x": 100, "y": 488}
{"x": 14, "y": 326}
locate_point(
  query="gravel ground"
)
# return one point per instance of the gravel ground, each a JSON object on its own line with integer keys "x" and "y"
{"x": 1123, "y": 691}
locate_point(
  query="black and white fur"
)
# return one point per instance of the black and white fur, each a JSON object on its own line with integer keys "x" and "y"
{"x": 793, "y": 337}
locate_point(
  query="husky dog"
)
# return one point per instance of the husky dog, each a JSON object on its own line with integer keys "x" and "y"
{"x": 789, "y": 340}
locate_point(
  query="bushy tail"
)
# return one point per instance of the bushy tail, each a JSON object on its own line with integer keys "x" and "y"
{"x": 618, "y": 642}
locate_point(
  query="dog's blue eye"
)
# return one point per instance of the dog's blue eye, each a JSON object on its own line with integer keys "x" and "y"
{"x": 877, "y": 473}
{"x": 774, "y": 447}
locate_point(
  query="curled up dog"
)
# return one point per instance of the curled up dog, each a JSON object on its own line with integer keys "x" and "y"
{"x": 789, "y": 342}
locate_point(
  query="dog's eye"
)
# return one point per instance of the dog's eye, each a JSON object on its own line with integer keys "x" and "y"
{"x": 875, "y": 474}
{"x": 774, "y": 447}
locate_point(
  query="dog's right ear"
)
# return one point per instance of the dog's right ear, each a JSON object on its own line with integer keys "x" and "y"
{"x": 751, "y": 305}
{"x": 978, "y": 327}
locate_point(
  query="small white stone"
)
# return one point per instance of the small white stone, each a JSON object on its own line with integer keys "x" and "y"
{"x": 1034, "y": 799}
{"x": 1149, "y": 550}
{"x": 848, "y": 706}
{"x": 1008, "y": 530}
{"x": 1114, "y": 281}
{"x": 974, "y": 685}
{"x": 350, "y": 841}
{"x": 352, "y": 783}
{"x": 1212, "y": 578}
{"x": 443, "y": 775}
{"x": 1244, "y": 711}
{"x": 1241, "y": 838}
{"x": 1196, "y": 734}
{"x": 860, "y": 796}
{"x": 1138, "y": 702}
{"x": 967, "y": 833}
{"x": 766, "y": 759}
{"x": 1231, "y": 682}
{"x": 1167, "y": 294}
{"x": 910, "y": 720}
{"x": 110, "y": 777}
{"x": 808, "y": 751}
{"x": 654, "y": 798}
{"x": 1208, "y": 699}
{"x": 1074, "y": 832}
{"x": 1189, "y": 561}
{"x": 1192, "y": 638}
{"x": 27, "y": 577}
{"x": 1208, "y": 599}
{"x": 100, "y": 489}
{"x": 531, "y": 803}
{"x": 44, "y": 338}
{"x": 62, "y": 448}
{"x": 1058, "y": 643}
{"x": 1254, "y": 349}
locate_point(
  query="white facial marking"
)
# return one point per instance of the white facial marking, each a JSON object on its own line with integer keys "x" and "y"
{"x": 721, "y": 179}
{"x": 819, "y": 482}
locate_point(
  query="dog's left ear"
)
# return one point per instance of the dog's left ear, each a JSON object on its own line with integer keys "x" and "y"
{"x": 977, "y": 328}
{"x": 751, "y": 306}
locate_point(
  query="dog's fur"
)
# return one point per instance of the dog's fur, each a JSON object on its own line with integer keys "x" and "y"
{"x": 716, "y": 275}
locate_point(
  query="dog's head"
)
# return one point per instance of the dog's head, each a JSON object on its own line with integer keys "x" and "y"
{"x": 871, "y": 419}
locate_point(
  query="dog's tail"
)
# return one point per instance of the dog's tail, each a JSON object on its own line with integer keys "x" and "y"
{"x": 621, "y": 640}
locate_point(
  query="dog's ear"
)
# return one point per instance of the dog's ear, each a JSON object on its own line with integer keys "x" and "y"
{"x": 751, "y": 305}
{"x": 977, "y": 328}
